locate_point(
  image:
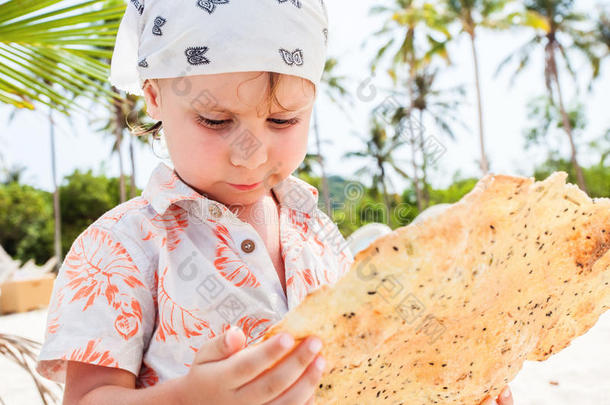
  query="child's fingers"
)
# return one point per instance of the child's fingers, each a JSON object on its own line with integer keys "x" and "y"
{"x": 247, "y": 364}
{"x": 505, "y": 397}
{"x": 303, "y": 389}
{"x": 279, "y": 378}
{"x": 489, "y": 401}
{"x": 311, "y": 400}
{"x": 220, "y": 347}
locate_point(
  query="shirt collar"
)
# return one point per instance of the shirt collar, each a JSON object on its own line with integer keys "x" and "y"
{"x": 165, "y": 188}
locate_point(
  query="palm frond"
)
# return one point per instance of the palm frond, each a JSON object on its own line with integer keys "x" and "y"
{"x": 24, "y": 352}
{"x": 54, "y": 51}
{"x": 523, "y": 54}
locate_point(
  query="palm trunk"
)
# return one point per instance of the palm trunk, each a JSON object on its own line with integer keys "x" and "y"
{"x": 580, "y": 178}
{"x": 484, "y": 163}
{"x": 121, "y": 170}
{"x": 131, "y": 103}
{"x": 325, "y": 191}
{"x": 119, "y": 138}
{"x": 425, "y": 194}
{"x": 418, "y": 194}
{"x": 386, "y": 197}
{"x": 56, "y": 207}
{"x": 132, "y": 185}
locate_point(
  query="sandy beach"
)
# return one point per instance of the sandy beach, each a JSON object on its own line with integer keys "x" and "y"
{"x": 579, "y": 375}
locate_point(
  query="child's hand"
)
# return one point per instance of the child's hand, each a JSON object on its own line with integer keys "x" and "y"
{"x": 225, "y": 373}
{"x": 505, "y": 398}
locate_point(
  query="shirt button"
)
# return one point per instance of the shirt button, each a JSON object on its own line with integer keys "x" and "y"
{"x": 247, "y": 245}
{"x": 214, "y": 211}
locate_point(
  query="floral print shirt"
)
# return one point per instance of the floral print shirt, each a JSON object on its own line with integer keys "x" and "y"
{"x": 146, "y": 284}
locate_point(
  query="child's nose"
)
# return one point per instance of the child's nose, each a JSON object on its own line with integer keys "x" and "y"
{"x": 248, "y": 150}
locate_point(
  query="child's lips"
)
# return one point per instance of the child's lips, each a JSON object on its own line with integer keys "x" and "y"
{"x": 245, "y": 186}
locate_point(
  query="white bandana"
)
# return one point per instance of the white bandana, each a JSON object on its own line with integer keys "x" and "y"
{"x": 175, "y": 38}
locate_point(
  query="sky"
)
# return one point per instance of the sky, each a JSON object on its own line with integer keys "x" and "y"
{"x": 25, "y": 141}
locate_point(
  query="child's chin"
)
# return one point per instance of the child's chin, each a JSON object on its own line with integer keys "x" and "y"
{"x": 247, "y": 197}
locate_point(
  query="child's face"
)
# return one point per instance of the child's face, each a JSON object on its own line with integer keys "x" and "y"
{"x": 251, "y": 145}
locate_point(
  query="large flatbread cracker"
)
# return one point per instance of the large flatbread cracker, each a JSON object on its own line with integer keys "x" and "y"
{"x": 446, "y": 311}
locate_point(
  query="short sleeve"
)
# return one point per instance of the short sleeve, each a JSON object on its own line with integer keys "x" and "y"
{"x": 335, "y": 241}
{"x": 102, "y": 307}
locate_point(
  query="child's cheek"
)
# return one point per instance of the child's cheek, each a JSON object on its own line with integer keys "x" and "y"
{"x": 294, "y": 143}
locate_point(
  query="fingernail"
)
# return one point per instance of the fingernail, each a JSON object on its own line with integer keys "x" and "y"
{"x": 226, "y": 339}
{"x": 506, "y": 393}
{"x": 320, "y": 363}
{"x": 286, "y": 340}
{"x": 315, "y": 345}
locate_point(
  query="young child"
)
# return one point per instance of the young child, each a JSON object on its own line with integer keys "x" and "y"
{"x": 160, "y": 299}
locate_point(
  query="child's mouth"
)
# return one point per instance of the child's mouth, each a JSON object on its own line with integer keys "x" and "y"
{"x": 245, "y": 186}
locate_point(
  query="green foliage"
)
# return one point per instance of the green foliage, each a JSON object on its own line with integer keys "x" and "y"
{"x": 453, "y": 193}
{"x": 337, "y": 186}
{"x": 598, "y": 180}
{"x": 84, "y": 198}
{"x": 26, "y": 222}
{"x": 26, "y": 214}
{"x": 355, "y": 205}
{"x": 597, "y": 177}
{"x": 545, "y": 120}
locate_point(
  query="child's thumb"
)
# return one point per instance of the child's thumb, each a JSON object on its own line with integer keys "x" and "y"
{"x": 221, "y": 346}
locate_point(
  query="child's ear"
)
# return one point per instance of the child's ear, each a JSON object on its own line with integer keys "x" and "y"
{"x": 152, "y": 95}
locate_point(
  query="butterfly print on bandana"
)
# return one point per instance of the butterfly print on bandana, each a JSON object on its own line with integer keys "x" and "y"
{"x": 143, "y": 63}
{"x": 139, "y": 6}
{"x": 194, "y": 55}
{"x": 297, "y": 3}
{"x": 325, "y": 32}
{"x": 295, "y": 57}
{"x": 159, "y": 21}
{"x": 210, "y": 5}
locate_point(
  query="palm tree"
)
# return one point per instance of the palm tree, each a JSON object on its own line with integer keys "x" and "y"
{"x": 11, "y": 174}
{"x": 120, "y": 110}
{"x": 56, "y": 205}
{"x": 546, "y": 119}
{"x": 120, "y": 115}
{"x": 415, "y": 24}
{"x": 125, "y": 112}
{"x": 603, "y": 29}
{"x": 335, "y": 90}
{"x": 379, "y": 150}
{"x": 557, "y": 29}
{"x": 472, "y": 14}
{"x": 136, "y": 106}
{"x": 306, "y": 166}
{"x": 115, "y": 124}
{"x": 442, "y": 106}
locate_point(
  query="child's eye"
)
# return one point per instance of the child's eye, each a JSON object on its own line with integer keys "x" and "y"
{"x": 215, "y": 124}
{"x": 210, "y": 123}
{"x": 289, "y": 122}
